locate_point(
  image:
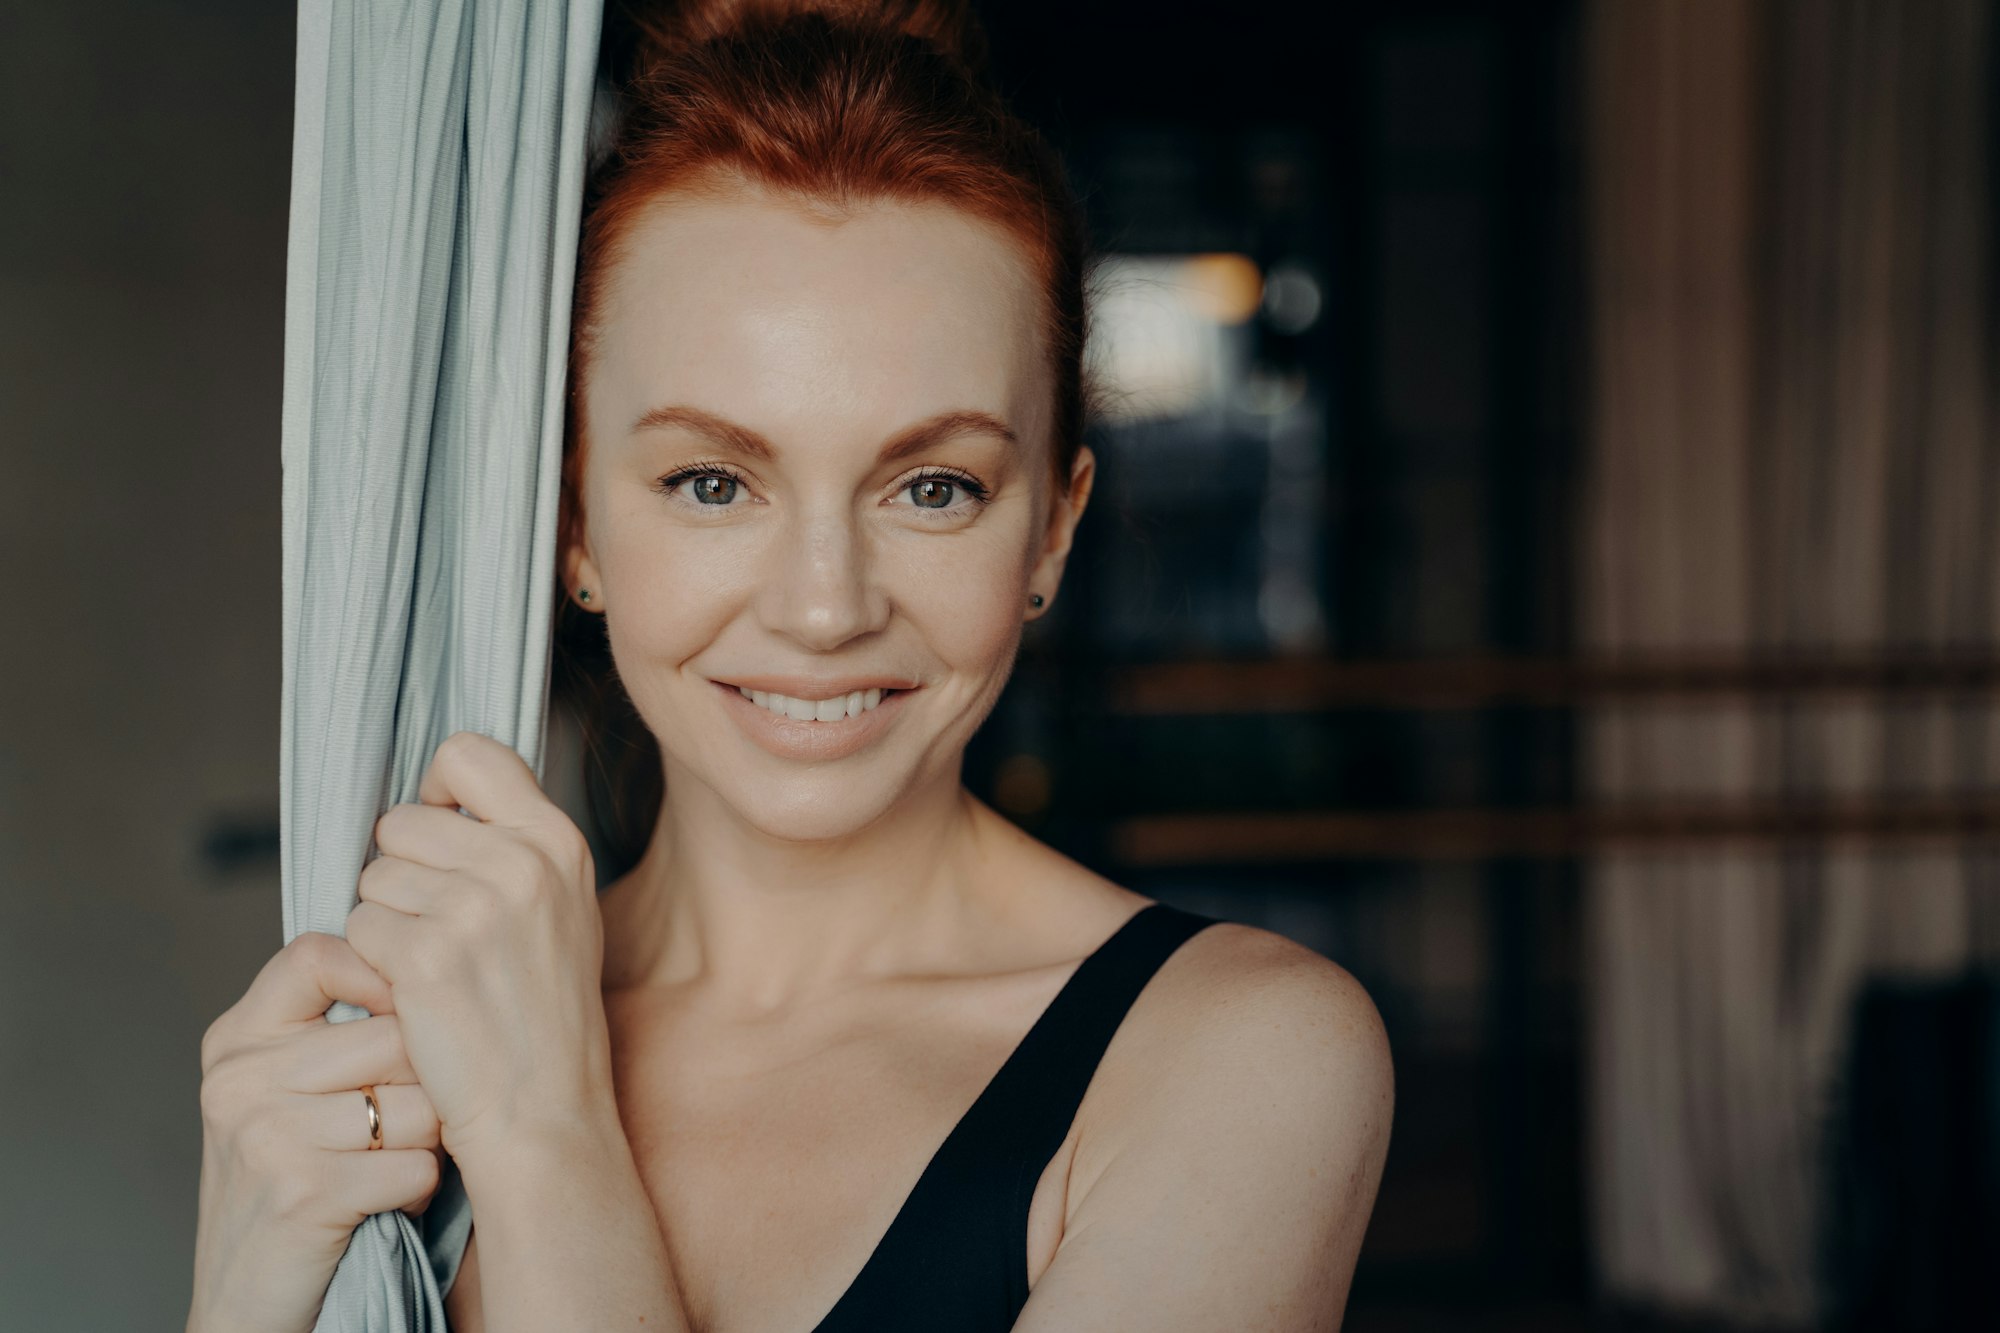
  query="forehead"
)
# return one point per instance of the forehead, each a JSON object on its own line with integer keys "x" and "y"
{"x": 750, "y": 306}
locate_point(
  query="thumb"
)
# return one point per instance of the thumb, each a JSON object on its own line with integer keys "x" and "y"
{"x": 418, "y": 1208}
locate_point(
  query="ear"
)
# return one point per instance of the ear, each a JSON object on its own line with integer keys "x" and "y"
{"x": 580, "y": 571}
{"x": 1048, "y": 570}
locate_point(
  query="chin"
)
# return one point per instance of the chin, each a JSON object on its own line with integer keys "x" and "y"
{"x": 820, "y": 807}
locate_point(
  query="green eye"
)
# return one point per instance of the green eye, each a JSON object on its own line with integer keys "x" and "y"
{"x": 932, "y": 493}
{"x": 713, "y": 489}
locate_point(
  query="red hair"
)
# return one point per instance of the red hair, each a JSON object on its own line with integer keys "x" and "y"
{"x": 830, "y": 103}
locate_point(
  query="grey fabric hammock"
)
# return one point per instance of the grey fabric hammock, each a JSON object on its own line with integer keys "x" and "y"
{"x": 438, "y": 157}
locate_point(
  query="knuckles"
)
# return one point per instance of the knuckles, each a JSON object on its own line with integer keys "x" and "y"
{"x": 572, "y": 854}
{"x": 219, "y": 1100}
{"x": 215, "y": 1043}
{"x": 311, "y": 950}
{"x": 389, "y": 823}
{"x": 370, "y": 878}
{"x": 524, "y": 869}
{"x": 462, "y": 747}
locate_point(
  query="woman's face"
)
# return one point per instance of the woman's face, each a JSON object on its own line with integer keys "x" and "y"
{"x": 818, "y": 465}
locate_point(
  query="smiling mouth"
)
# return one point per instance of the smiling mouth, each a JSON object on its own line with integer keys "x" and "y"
{"x": 840, "y": 708}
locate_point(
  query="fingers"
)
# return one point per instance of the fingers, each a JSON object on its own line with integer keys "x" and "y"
{"x": 388, "y": 939}
{"x": 302, "y": 979}
{"x": 493, "y": 785}
{"x": 430, "y": 836}
{"x": 418, "y": 1208}
{"x": 382, "y": 1182}
{"x": 339, "y": 1056}
{"x": 399, "y": 884}
{"x": 488, "y": 778}
{"x": 419, "y": 841}
{"x": 339, "y": 1120}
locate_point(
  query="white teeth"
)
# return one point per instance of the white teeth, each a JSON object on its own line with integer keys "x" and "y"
{"x": 840, "y": 706}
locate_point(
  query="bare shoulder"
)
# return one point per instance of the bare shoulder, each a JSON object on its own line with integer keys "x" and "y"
{"x": 1238, "y": 1002}
{"x": 1228, "y": 1153}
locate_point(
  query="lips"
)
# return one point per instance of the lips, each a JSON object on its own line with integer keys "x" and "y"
{"x": 819, "y": 687}
{"x": 811, "y": 741}
{"x": 836, "y": 709}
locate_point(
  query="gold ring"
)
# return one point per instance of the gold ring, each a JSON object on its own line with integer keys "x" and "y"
{"x": 374, "y": 1118}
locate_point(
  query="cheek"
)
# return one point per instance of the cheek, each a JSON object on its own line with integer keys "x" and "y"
{"x": 670, "y": 589}
{"x": 960, "y": 595}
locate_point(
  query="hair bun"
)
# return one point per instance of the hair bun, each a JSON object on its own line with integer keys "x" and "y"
{"x": 640, "y": 36}
{"x": 662, "y": 27}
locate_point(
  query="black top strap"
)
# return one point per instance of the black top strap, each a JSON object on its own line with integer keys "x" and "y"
{"x": 1034, "y": 1097}
{"x": 956, "y": 1254}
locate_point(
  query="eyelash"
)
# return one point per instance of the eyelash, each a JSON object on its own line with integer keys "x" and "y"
{"x": 666, "y": 485}
{"x": 975, "y": 490}
{"x": 976, "y": 494}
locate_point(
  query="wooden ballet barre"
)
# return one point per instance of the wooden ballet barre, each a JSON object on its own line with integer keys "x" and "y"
{"x": 1485, "y": 834}
{"x": 1284, "y": 685}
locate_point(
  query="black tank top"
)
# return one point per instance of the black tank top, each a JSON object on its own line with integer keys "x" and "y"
{"x": 956, "y": 1255}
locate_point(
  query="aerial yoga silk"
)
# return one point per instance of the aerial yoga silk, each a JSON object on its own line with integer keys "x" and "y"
{"x": 438, "y": 157}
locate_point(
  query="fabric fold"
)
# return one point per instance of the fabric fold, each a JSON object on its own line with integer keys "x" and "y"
{"x": 437, "y": 177}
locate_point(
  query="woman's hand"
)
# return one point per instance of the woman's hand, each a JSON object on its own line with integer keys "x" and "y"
{"x": 286, "y": 1170}
{"x": 489, "y": 931}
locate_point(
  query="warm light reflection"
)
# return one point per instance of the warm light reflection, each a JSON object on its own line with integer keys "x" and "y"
{"x": 1226, "y": 288}
{"x": 1166, "y": 330}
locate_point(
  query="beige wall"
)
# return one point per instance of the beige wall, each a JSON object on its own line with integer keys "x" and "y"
{"x": 144, "y": 176}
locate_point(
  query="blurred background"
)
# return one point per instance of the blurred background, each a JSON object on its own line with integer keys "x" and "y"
{"x": 1546, "y": 557}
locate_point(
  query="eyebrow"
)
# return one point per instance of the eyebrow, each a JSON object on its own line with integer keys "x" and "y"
{"x": 728, "y": 434}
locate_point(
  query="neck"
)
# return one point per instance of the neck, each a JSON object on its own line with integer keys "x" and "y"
{"x": 762, "y": 923}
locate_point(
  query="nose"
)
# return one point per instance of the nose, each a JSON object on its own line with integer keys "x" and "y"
{"x": 820, "y": 591}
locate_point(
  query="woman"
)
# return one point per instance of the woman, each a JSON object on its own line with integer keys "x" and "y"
{"x": 825, "y": 461}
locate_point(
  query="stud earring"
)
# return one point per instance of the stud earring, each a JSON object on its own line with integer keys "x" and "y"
{"x": 1035, "y": 599}
{"x": 583, "y": 595}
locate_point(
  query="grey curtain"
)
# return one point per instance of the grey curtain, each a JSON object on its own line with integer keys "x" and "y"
{"x": 1795, "y": 449}
{"x": 437, "y": 168}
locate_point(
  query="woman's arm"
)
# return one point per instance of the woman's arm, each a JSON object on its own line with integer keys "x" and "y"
{"x": 568, "y": 1237}
{"x": 1231, "y": 1183}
